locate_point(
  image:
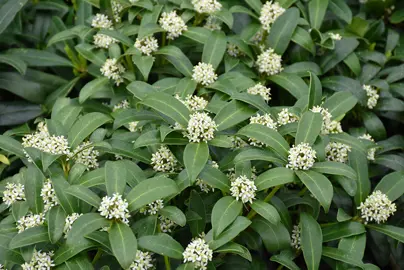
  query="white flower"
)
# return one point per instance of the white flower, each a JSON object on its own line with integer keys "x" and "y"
{"x": 193, "y": 103}
{"x": 70, "y": 219}
{"x": 103, "y": 41}
{"x": 30, "y": 221}
{"x": 205, "y": 187}
{"x": 113, "y": 70}
{"x": 261, "y": 90}
{"x": 114, "y": 208}
{"x": 335, "y": 151}
{"x": 132, "y": 126}
{"x": 152, "y": 208}
{"x": 1, "y": 267}
{"x": 233, "y": 50}
{"x": 147, "y": 45}
{"x": 301, "y": 157}
{"x": 124, "y": 104}
{"x": 329, "y": 126}
{"x": 295, "y": 239}
{"x": 86, "y": 155}
{"x": 173, "y": 24}
{"x": 40, "y": 260}
{"x": 243, "y": 188}
{"x": 269, "y": 62}
{"x": 204, "y": 74}
{"x": 43, "y": 141}
{"x": 286, "y": 117}
{"x": 163, "y": 160}
{"x": 206, "y": 6}
{"x": 377, "y": 207}
{"x": 13, "y": 192}
{"x": 199, "y": 253}
{"x": 48, "y": 195}
{"x": 116, "y": 10}
{"x": 166, "y": 224}
{"x": 133, "y": 1}
{"x": 212, "y": 23}
{"x": 335, "y": 36}
{"x": 371, "y": 151}
{"x": 373, "y": 97}
{"x": 101, "y": 21}
{"x": 143, "y": 261}
{"x": 200, "y": 127}
{"x": 270, "y": 11}
{"x": 237, "y": 142}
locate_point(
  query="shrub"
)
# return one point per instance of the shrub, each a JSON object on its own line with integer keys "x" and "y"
{"x": 203, "y": 134}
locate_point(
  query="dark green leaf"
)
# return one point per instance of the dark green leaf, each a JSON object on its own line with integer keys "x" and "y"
{"x": 224, "y": 212}
{"x": 311, "y": 241}
{"x": 123, "y": 244}
{"x": 162, "y": 244}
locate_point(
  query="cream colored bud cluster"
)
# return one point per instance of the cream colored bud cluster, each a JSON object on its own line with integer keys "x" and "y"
{"x": 163, "y": 160}
{"x": 206, "y": 6}
{"x": 152, "y": 208}
{"x": 199, "y": 253}
{"x": 242, "y": 188}
{"x": 329, "y": 126}
{"x": 335, "y": 151}
{"x": 371, "y": 151}
{"x": 270, "y": 11}
{"x": 173, "y": 24}
{"x": 269, "y": 62}
{"x": 377, "y": 207}
{"x": 114, "y": 207}
{"x": 260, "y": 89}
{"x": 193, "y": 102}
{"x": 204, "y": 74}
{"x": 40, "y": 260}
{"x": 113, "y": 70}
{"x": 147, "y": 45}
{"x": 286, "y": 117}
{"x": 301, "y": 157}
{"x": 372, "y": 94}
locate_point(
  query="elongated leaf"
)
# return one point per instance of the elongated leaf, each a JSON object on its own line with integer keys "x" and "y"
{"x": 69, "y": 203}
{"x": 392, "y": 231}
{"x": 335, "y": 168}
{"x": 343, "y": 48}
{"x": 85, "y": 126}
{"x": 341, "y": 10}
{"x": 174, "y": 214}
{"x": 392, "y": 185}
{"x": 195, "y": 157}
{"x": 224, "y": 212}
{"x": 84, "y": 225}
{"x": 92, "y": 88}
{"x": 303, "y": 38}
{"x": 358, "y": 162}
{"x": 215, "y": 178}
{"x": 311, "y": 241}
{"x": 309, "y": 128}
{"x": 56, "y": 222}
{"x": 33, "y": 190}
{"x": 118, "y": 36}
{"x": 340, "y": 103}
{"x": 169, "y": 106}
{"x": 38, "y": 58}
{"x": 123, "y": 244}
{"x": 8, "y": 10}
{"x": 317, "y": 9}
{"x": 282, "y": 30}
{"x": 130, "y": 115}
{"x": 30, "y": 236}
{"x": 319, "y": 186}
{"x": 67, "y": 251}
{"x": 285, "y": 258}
{"x": 232, "y": 114}
{"x": 150, "y": 190}
{"x": 275, "y": 177}
{"x": 266, "y": 211}
{"x": 162, "y": 244}
{"x": 342, "y": 230}
{"x": 235, "y": 249}
{"x": 14, "y": 61}
{"x": 80, "y": 31}
{"x": 275, "y": 236}
{"x": 199, "y": 34}
{"x": 86, "y": 50}
{"x": 197, "y": 208}
{"x": 292, "y": 83}
{"x": 144, "y": 64}
{"x": 258, "y": 154}
{"x": 256, "y": 5}
{"x": 115, "y": 177}
{"x": 179, "y": 60}
{"x": 214, "y": 49}
{"x": 11, "y": 146}
{"x": 268, "y": 136}
{"x": 342, "y": 256}
{"x": 239, "y": 225}
{"x": 92, "y": 178}
{"x": 315, "y": 91}
{"x": 85, "y": 195}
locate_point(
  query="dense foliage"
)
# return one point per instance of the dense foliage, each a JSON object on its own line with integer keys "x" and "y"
{"x": 201, "y": 134}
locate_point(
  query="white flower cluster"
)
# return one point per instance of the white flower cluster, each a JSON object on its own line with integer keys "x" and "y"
{"x": 101, "y": 21}
{"x": 163, "y": 160}
{"x": 86, "y": 155}
{"x": 329, "y": 126}
{"x": 30, "y": 221}
{"x": 335, "y": 36}
{"x": 371, "y": 151}
{"x": 132, "y": 126}
{"x": 269, "y": 62}
{"x": 237, "y": 142}
{"x": 173, "y": 24}
{"x": 124, "y": 104}
{"x": 143, "y": 261}
{"x": 243, "y": 188}
{"x": 377, "y": 207}
{"x": 114, "y": 208}
{"x": 233, "y": 50}
{"x": 199, "y": 253}
{"x": 70, "y": 219}
{"x": 147, "y": 45}
{"x": 212, "y": 23}
{"x": 166, "y": 224}
{"x": 301, "y": 157}
{"x": 335, "y": 151}
{"x": 48, "y": 195}
{"x": 204, "y": 74}
{"x": 152, "y": 208}
{"x": 206, "y": 6}
{"x": 40, "y": 260}
{"x": 200, "y": 127}
{"x": 13, "y": 192}
{"x": 261, "y": 90}
{"x": 270, "y": 11}
{"x": 373, "y": 97}
{"x": 295, "y": 238}
{"x": 193, "y": 102}
{"x": 43, "y": 141}
{"x": 286, "y": 117}
{"x": 113, "y": 70}
{"x": 103, "y": 41}
{"x": 116, "y": 10}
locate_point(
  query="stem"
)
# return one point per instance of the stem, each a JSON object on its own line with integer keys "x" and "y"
{"x": 97, "y": 256}
{"x": 167, "y": 263}
{"x": 279, "y": 267}
{"x": 267, "y": 199}
{"x": 128, "y": 59}
{"x": 302, "y": 191}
